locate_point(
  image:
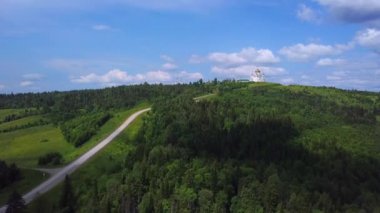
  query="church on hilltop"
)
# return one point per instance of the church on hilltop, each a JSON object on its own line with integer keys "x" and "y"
{"x": 257, "y": 76}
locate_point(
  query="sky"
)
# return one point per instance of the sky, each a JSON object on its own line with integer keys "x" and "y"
{"x": 49, "y": 45}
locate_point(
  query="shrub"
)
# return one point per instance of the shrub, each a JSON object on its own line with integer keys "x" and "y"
{"x": 52, "y": 158}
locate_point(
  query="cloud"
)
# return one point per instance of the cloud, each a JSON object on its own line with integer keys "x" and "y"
{"x": 302, "y": 52}
{"x": 26, "y": 83}
{"x": 306, "y": 13}
{"x": 353, "y": 10}
{"x": 369, "y": 38}
{"x": 30, "y": 79}
{"x": 113, "y": 76}
{"x": 330, "y": 62}
{"x": 2, "y": 86}
{"x": 117, "y": 77}
{"x": 101, "y": 27}
{"x": 167, "y": 58}
{"x": 196, "y": 59}
{"x": 245, "y": 56}
{"x": 76, "y": 66}
{"x": 188, "y": 76}
{"x": 170, "y": 63}
{"x": 169, "y": 66}
{"x": 157, "y": 76}
{"x": 246, "y": 70}
{"x": 33, "y": 76}
{"x": 356, "y": 73}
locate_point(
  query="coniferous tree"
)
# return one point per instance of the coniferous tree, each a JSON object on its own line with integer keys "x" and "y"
{"x": 16, "y": 203}
{"x": 67, "y": 199}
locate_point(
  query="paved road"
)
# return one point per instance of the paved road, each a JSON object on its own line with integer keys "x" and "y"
{"x": 60, "y": 176}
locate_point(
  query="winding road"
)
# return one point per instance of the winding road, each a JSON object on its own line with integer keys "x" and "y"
{"x": 60, "y": 176}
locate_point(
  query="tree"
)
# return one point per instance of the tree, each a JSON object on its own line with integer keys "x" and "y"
{"x": 272, "y": 193}
{"x": 205, "y": 200}
{"x": 15, "y": 203}
{"x": 67, "y": 200}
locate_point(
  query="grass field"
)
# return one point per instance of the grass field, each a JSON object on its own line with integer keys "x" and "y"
{"x": 32, "y": 178}
{"x": 6, "y": 112}
{"x": 103, "y": 167}
{"x": 25, "y": 146}
{"x": 21, "y": 122}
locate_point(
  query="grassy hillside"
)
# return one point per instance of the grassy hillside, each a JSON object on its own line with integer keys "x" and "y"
{"x": 25, "y": 146}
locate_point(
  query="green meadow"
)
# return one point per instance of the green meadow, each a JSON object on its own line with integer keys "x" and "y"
{"x": 25, "y": 146}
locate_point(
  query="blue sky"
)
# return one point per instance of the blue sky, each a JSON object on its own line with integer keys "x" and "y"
{"x": 50, "y": 45}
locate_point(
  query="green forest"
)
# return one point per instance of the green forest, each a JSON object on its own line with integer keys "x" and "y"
{"x": 219, "y": 147}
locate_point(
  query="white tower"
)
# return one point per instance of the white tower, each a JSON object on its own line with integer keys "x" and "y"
{"x": 257, "y": 76}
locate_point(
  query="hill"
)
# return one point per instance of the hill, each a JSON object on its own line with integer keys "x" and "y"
{"x": 236, "y": 147}
{"x": 244, "y": 148}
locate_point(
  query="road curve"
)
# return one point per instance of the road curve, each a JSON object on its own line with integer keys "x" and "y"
{"x": 60, "y": 176}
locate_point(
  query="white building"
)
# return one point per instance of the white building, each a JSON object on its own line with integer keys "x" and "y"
{"x": 257, "y": 76}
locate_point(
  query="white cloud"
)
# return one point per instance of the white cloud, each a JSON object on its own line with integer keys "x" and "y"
{"x": 170, "y": 63}
{"x": 196, "y": 59}
{"x": 188, "y": 76}
{"x": 26, "y": 83}
{"x": 245, "y": 56}
{"x": 369, "y": 38}
{"x": 113, "y": 76}
{"x": 81, "y": 66}
{"x": 117, "y": 77}
{"x": 167, "y": 58}
{"x": 158, "y": 76}
{"x": 169, "y": 66}
{"x": 302, "y": 52}
{"x": 306, "y": 13}
{"x": 246, "y": 70}
{"x": 353, "y": 10}
{"x": 2, "y": 86}
{"x": 330, "y": 62}
{"x": 101, "y": 27}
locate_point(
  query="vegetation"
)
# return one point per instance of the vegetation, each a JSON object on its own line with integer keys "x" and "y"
{"x": 8, "y": 174}
{"x": 79, "y": 130}
{"x": 30, "y": 179}
{"x": 15, "y": 203}
{"x": 246, "y": 148}
{"x": 52, "y": 158}
{"x": 67, "y": 199}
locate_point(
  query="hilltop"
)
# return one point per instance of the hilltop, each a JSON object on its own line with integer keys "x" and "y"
{"x": 228, "y": 146}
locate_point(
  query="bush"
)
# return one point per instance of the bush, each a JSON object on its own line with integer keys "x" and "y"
{"x": 52, "y": 158}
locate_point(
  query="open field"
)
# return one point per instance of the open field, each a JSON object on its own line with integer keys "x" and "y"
{"x": 25, "y": 146}
{"x": 22, "y": 122}
{"x": 6, "y": 112}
